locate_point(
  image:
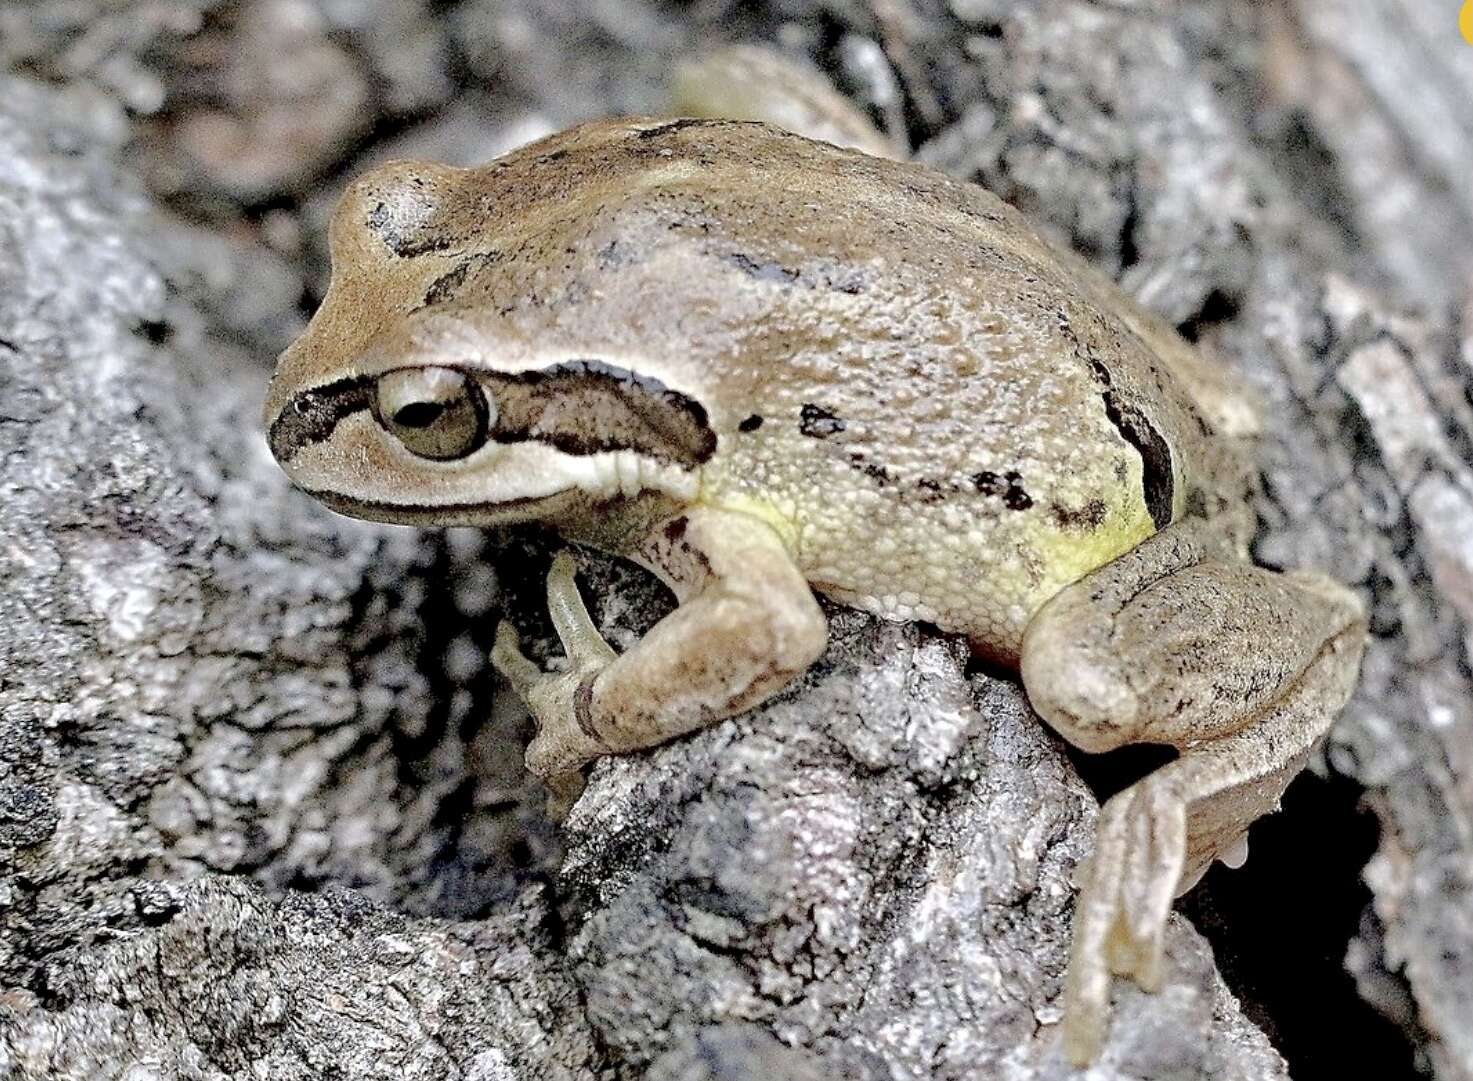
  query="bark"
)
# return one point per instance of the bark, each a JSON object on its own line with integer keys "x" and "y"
{"x": 261, "y": 805}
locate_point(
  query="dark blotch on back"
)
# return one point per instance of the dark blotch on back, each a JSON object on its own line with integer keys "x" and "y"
{"x": 1156, "y": 478}
{"x": 447, "y": 285}
{"x": 878, "y": 473}
{"x": 750, "y": 424}
{"x": 311, "y": 416}
{"x": 988, "y": 482}
{"x": 819, "y": 423}
{"x": 1090, "y": 516}
{"x": 1008, "y": 486}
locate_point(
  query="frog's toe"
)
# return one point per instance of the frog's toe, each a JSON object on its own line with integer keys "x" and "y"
{"x": 1086, "y": 1003}
{"x": 1124, "y": 902}
{"x": 565, "y": 740}
{"x": 582, "y": 642}
{"x": 1152, "y": 815}
{"x": 514, "y": 665}
{"x": 1236, "y": 855}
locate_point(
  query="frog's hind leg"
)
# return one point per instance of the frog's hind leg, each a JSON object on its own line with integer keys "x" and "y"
{"x": 752, "y": 82}
{"x": 1240, "y": 668}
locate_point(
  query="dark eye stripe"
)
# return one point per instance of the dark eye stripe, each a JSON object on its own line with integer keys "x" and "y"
{"x": 578, "y": 407}
{"x": 311, "y": 416}
{"x": 586, "y": 406}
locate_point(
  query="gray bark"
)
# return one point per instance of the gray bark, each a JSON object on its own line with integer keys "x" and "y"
{"x": 261, "y": 805}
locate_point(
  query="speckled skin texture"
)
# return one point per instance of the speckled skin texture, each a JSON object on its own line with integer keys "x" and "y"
{"x": 757, "y": 363}
{"x": 925, "y": 398}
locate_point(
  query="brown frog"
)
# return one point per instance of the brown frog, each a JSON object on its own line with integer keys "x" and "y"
{"x": 762, "y": 366}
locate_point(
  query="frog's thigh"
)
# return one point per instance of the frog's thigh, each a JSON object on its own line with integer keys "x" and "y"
{"x": 1241, "y": 668}
{"x": 746, "y": 625}
{"x": 1169, "y": 644}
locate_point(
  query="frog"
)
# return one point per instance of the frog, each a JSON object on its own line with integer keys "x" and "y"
{"x": 768, "y": 367}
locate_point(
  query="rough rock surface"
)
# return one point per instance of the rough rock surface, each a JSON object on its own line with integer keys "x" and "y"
{"x": 261, "y": 808}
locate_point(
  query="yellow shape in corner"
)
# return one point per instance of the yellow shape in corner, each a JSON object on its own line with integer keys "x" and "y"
{"x": 1465, "y": 21}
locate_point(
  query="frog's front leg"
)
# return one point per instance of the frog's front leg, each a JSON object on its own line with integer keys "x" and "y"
{"x": 1239, "y": 668}
{"x": 746, "y": 625}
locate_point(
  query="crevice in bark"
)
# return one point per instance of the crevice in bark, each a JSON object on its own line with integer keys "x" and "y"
{"x": 1279, "y": 926}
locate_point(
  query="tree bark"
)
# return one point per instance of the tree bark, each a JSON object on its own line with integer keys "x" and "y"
{"x": 262, "y": 812}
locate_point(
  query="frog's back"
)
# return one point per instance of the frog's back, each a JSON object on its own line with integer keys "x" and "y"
{"x": 954, "y": 419}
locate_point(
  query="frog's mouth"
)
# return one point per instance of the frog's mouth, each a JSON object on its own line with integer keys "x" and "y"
{"x": 508, "y": 512}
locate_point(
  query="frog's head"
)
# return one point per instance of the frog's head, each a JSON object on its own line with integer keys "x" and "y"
{"x": 405, "y": 401}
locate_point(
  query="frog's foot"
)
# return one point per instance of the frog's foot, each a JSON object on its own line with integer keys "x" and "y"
{"x": 559, "y": 701}
{"x": 1239, "y": 668}
{"x": 1124, "y": 900}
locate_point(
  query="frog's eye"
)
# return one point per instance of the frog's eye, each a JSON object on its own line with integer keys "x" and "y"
{"x": 437, "y": 413}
